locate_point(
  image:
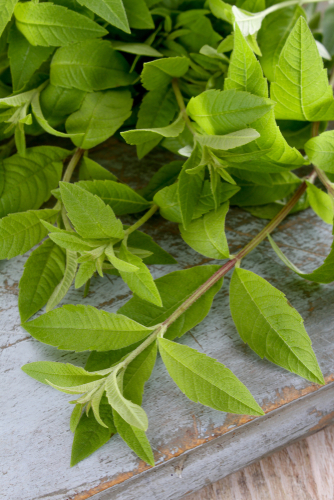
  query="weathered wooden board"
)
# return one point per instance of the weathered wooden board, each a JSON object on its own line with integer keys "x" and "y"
{"x": 35, "y": 437}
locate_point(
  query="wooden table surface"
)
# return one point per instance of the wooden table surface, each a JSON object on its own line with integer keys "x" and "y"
{"x": 204, "y": 444}
{"x": 301, "y": 471}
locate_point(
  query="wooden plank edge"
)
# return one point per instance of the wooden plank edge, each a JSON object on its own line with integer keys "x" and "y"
{"x": 293, "y": 416}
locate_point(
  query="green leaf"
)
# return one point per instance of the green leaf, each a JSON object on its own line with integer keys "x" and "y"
{"x": 140, "y": 282}
{"x": 245, "y": 73}
{"x": 43, "y": 271}
{"x": 120, "y": 197}
{"x": 110, "y": 10}
{"x": 268, "y": 188}
{"x": 222, "y": 10}
{"x": 205, "y": 380}
{"x": 71, "y": 241}
{"x": 57, "y": 103}
{"x": 320, "y": 151}
{"x": 321, "y": 203}
{"x": 53, "y": 25}
{"x": 63, "y": 287}
{"x": 61, "y": 374}
{"x": 138, "y": 14}
{"x": 271, "y": 326}
{"x": 174, "y": 289}
{"x": 164, "y": 177}
{"x": 206, "y": 202}
{"x": 90, "y": 435}
{"x": 85, "y": 272}
{"x": 207, "y": 236}
{"x": 90, "y": 171}
{"x": 327, "y": 28}
{"x": 25, "y": 59}
{"x": 29, "y": 180}
{"x": 299, "y": 66}
{"x": 138, "y": 239}
{"x": 139, "y": 136}
{"x": 130, "y": 412}
{"x": 189, "y": 187}
{"x": 221, "y": 112}
{"x": 119, "y": 264}
{"x": 159, "y": 73}
{"x": 90, "y": 66}
{"x": 7, "y": 10}
{"x": 273, "y": 34}
{"x": 100, "y": 116}
{"x": 91, "y": 217}
{"x": 323, "y": 274}
{"x": 83, "y": 328}
{"x": 157, "y": 109}
{"x": 135, "y": 438}
{"x": 20, "y": 232}
{"x": 167, "y": 200}
{"x": 228, "y": 141}
{"x": 140, "y": 49}
{"x": 200, "y": 33}
{"x": 75, "y": 417}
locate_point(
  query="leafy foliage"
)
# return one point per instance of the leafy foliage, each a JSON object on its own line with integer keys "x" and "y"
{"x": 190, "y": 78}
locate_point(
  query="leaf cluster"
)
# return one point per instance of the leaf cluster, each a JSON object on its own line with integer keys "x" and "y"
{"x": 240, "y": 93}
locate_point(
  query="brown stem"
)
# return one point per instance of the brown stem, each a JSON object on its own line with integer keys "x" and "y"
{"x": 245, "y": 251}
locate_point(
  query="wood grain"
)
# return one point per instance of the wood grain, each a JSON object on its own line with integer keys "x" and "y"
{"x": 301, "y": 471}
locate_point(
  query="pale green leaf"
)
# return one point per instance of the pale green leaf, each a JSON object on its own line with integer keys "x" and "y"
{"x": 228, "y": 141}
{"x": 174, "y": 289}
{"x": 140, "y": 282}
{"x": 135, "y": 438}
{"x": 248, "y": 22}
{"x": 53, "y": 25}
{"x": 6, "y": 12}
{"x": 91, "y": 217}
{"x": 61, "y": 374}
{"x": 120, "y": 197}
{"x": 90, "y": 66}
{"x": 62, "y": 288}
{"x": 294, "y": 89}
{"x": 29, "y": 180}
{"x": 85, "y": 272}
{"x": 24, "y": 58}
{"x": 205, "y": 380}
{"x": 320, "y": 151}
{"x": 71, "y": 241}
{"x": 321, "y": 203}
{"x": 100, "y": 116}
{"x": 221, "y": 112}
{"x": 139, "y": 136}
{"x": 323, "y": 274}
{"x": 157, "y": 109}
{"x": 222, "y": 10}
{"x": 82, "y": 328}
{"x": 20, "y": 232}
{"x": 90, "y": 171}
{"x": 130, "y": 412}
{"x": 140, "y": 49}
{"x": 271, "y": 326}
{"x": 189, "y": 187}
{"x": 207, "y": 236}
{"x": 159, "y": 73}
{"x": 75, "y": 417}
{"x": 120, "y": 264}
{"x": 273, "y": 34}
{"x": 43, "y": 271}
{"x": 110, "y": 10}
{"x": 245, "y": 73}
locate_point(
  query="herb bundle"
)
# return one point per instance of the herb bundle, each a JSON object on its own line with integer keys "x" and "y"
{"x": 240, "y": 93}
